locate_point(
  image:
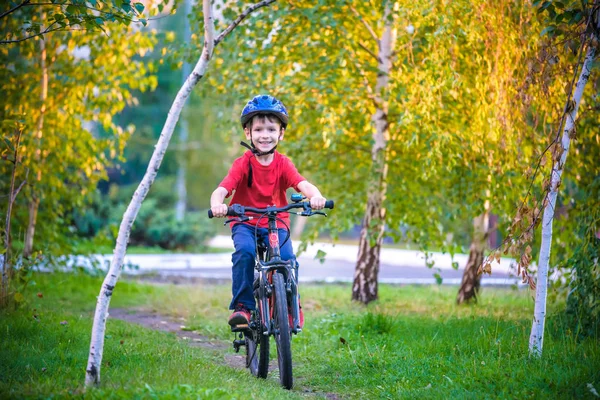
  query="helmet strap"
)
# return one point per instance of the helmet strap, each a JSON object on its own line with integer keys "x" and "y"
{"x": 255, "y": 151}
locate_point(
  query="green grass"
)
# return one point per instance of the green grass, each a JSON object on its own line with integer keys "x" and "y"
{"x": 412, "y": 343}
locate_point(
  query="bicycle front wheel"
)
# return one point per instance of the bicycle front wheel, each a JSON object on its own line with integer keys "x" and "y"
{"x": 282, "y": 332}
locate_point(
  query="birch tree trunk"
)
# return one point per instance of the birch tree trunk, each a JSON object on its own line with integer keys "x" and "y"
{"x": 34, "y": 203}
{"x": 180, "y": 187}
{"x": 364, "y": 288}
{"x": 5, "y": 258}
{"x": 536, "y": 339}
{"x": 92, "y": 376}
{"x": 471, "y": 280}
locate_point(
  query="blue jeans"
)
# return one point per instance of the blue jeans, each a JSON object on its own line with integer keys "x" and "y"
{"x": 244, "y": 259}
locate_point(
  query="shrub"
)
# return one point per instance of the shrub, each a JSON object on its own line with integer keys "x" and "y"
{"x": 155, "y": 224}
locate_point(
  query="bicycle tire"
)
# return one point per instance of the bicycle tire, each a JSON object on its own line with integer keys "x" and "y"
{"x": 282, "y": 332}
{"x": 257, "y": 353}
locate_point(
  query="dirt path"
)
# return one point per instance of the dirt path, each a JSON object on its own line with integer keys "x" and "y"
{"x": 163, "y": 323}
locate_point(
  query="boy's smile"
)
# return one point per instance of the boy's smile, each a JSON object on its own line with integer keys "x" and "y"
{"x": 265, "y": 134}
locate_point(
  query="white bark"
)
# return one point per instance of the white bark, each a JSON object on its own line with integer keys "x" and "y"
{"x": 536, "y": 339}
{"x": 92, "y": 376}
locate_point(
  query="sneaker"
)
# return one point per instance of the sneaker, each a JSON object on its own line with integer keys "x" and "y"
{"x": 240, "y": 316}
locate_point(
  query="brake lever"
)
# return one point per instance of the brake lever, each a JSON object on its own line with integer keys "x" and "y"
{"x": 318, "y": 212}
{"x": 237, "y": 219}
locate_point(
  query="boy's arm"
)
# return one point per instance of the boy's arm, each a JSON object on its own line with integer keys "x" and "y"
{"x": 216, "y": 202}
{"x": 317, "y": 201}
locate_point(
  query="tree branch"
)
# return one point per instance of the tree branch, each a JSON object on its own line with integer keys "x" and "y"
{"x": 43, "y": 33}
{"x": 240, "y": 18}
{"x": 362, "y": 46}
{"x": 560, "y": 126}
{"x": 366, "y": 24}
{"x": 14, "y": 196}
{"x": 15, "y": 8}
{"x": 111, "y": 10}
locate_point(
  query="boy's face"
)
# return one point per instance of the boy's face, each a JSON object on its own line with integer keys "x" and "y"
{"x": 265, "y": 134}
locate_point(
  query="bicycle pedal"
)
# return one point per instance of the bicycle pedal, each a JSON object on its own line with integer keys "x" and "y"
{"x": 237, "y": 344}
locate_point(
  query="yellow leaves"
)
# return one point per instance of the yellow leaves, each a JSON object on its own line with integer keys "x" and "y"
{"x": 496, "y": 255}
{"x": 485, "y": 268}
{"x": 525, "y": 259}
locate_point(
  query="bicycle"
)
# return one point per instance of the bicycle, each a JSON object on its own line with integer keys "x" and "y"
{"x": 274, "y": 280}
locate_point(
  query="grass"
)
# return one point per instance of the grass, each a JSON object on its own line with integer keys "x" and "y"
{"x": 412, "y": 343}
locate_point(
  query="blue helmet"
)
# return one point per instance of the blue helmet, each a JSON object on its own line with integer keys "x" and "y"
{"x": 264, "y": 104}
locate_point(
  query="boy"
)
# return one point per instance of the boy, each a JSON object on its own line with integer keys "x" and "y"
{"x": 259, "y": 178}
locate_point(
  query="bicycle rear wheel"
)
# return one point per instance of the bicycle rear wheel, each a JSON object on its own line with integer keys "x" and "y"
{"x": 282, "y": 332}
{"x": 257, "y": 353}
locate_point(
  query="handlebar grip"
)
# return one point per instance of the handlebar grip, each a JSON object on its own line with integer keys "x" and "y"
{"x": 329, "y": 204}
{"x": 232, "y": 211}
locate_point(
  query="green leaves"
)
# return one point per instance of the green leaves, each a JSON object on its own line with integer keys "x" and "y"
{"x": 320, "y": 256}
{"x": 74, "y": 14}
{"x": 548, "y": 31}
{"x": 9, "y": 144}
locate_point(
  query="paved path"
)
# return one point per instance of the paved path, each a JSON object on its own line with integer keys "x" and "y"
{"x": 397, "y": 266}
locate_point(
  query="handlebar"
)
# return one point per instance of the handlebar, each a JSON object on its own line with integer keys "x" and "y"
{"x": 236, "y": 210}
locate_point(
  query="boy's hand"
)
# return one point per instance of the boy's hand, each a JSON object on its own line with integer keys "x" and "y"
{"x": 219, "y": 211}
{"x": 317, "y": 202}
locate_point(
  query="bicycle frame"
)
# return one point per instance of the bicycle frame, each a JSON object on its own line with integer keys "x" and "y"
{"x": 265, "y": 266}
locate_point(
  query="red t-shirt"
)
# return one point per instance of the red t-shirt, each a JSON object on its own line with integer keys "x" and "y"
{"x": 269, "y": 183}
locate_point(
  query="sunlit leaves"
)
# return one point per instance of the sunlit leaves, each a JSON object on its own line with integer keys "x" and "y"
{"x": 60, "y": 15}
{"x": 90, "y": 81}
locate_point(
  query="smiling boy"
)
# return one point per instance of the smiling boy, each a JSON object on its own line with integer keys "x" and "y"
{"x": 259, "y": 178}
